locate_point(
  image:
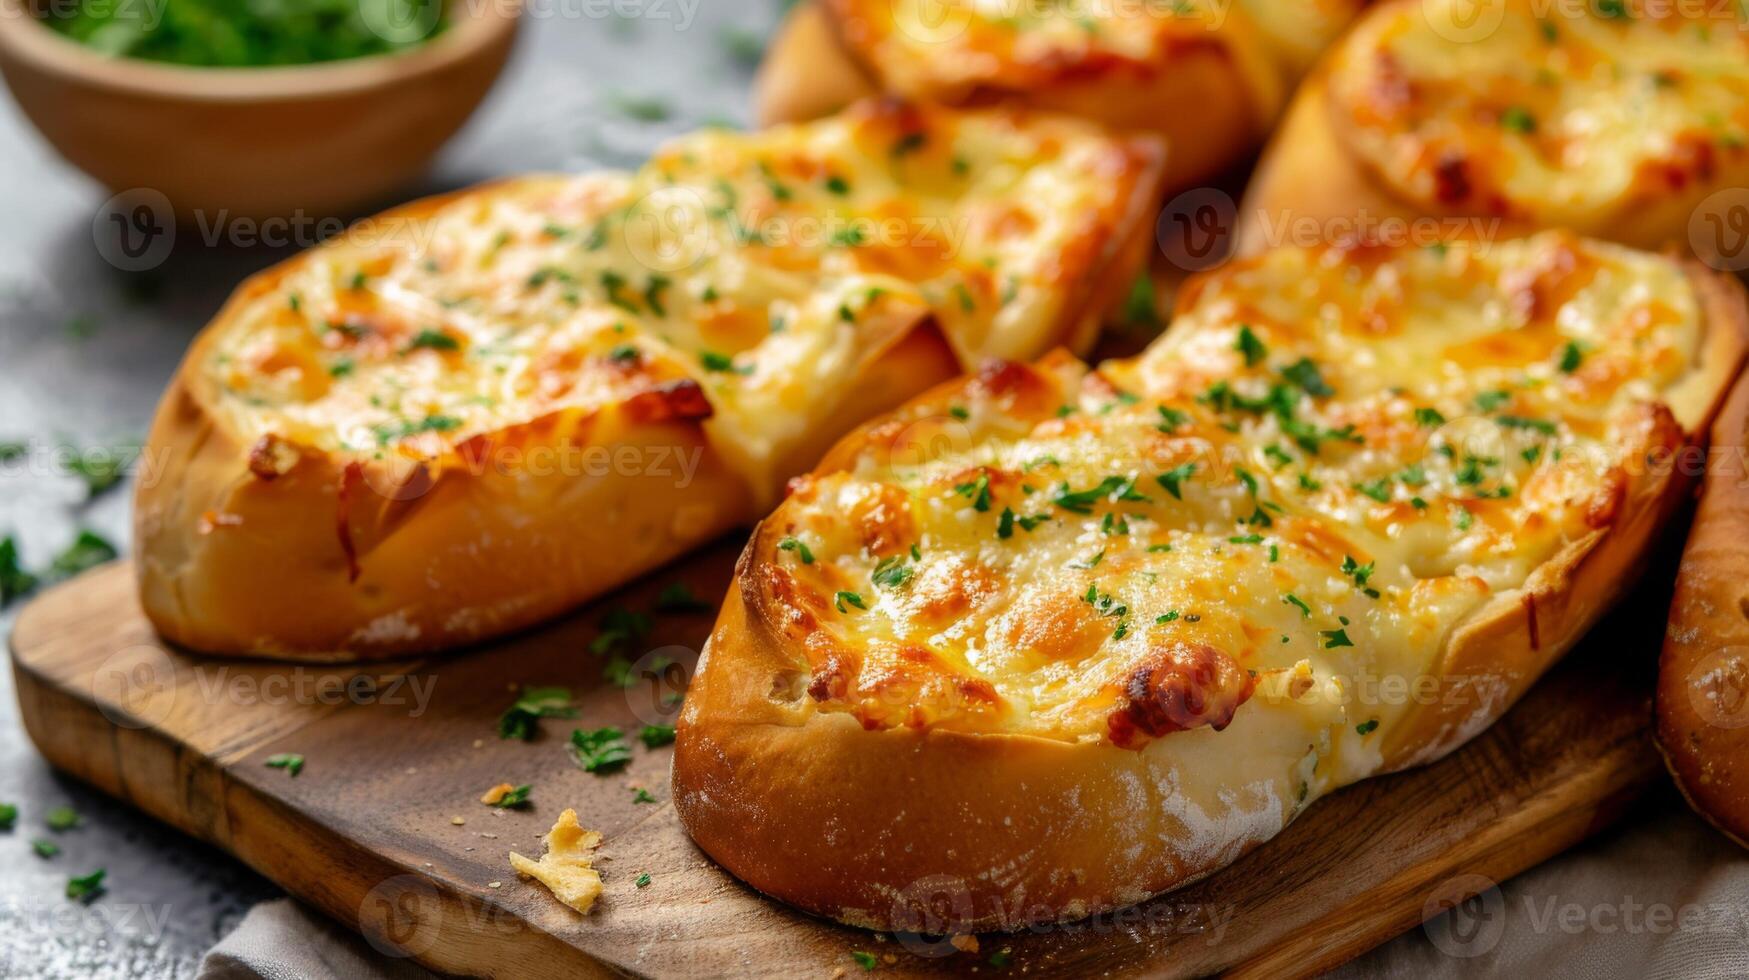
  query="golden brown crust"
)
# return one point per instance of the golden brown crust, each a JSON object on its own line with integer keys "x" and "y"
{"x": 1222, "y": 97}
{"x": 1315, "y": 176}
{"x": 1702, "y": 716}
{"x": 946, "y": 830}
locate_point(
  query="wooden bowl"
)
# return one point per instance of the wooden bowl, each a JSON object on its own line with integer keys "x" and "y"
{"x": 313, "y": 140}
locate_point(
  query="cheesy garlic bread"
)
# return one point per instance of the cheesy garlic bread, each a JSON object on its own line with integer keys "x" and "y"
{"x": 1618, "y": 121}
{"x": 1209, "y": 77}
{"x": 475, "y": 412}
{"x": 1703, "y": 675}
{"x": 1050, "y": 640}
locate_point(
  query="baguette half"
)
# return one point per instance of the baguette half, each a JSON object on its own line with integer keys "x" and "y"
{"x": 1703, "y": 676}
{"x": 1052, "y": 640}
{"x": 473, "y": 413}
{"x": 1442, "y": 119}
{"x": 1208, "y": 78}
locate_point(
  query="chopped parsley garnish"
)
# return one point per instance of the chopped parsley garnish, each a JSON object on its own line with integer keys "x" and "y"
{"x": 1337, "y": 637}
{"x": 8, "y": 815}
{"x": 87, "y": 551}
{"x": 908, "y": 144}
{"x": 796, "y": 545}
{"x": 1001, "y": 958}
{"x": 429, "y": 339}
{"x": 1112, "y": 488}
{"x": 722, "y": 363}
{"x": 620, "y": 628}
{"x": 864, "y": 959}
{"x": 1543, "y": 426}
{"x": 45, "y": 849}
{"x": 643, "y": 109}
{"x": 1140, "y": 308}
{"x": 1489, "y": 401}
{"x": 61, "y": 819}
{"x": 1571, "y": 357}
{"x": 291, "y": 762}
{"x": 1517, "y": 119}
{"x": 1368, "y": 726}
{"x": 642, "y": 881}
{"x": 1249, "y": 345}
{"x": 408, "y": 428}
{"x": 87, "y": 887}
{"x": 960, "y": 412}
{"x": 842, "y": 600}
{"x": 1298, "y": 603}
{"x": 1429, "y": 418}
{"x": 1360, "y": 573}
{"x": 656, "y": 736}
{"x": 1005, "y": 524}
{"x": 101, "y": 469}
{"x": 14, "y": 580}
{"x": 891, "y": 573}
{"x": 642, "y": 795}
{"x": 1306, "y": 376}
{"x": 1172, "y": 481}
{"x": 600, "y": 751}
{"x": 1172, "y": 419}
{"x": 978, "y": 491}
{"x": 1462, "y": 518}
{"x": 838, "y": 185}
{"x": 1379, "y": 490}
{"x": 677, "y": 597}
{"x": 1166, "y": 617}
{"x": 532, "y": 704}
{"x": 516, "y": 799}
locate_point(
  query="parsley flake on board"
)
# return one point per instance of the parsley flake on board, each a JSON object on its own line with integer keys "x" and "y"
{"x": 87, "y": 551}
{"x": 61, "y": 819}
{"x": 656, "y": 736}
{"x": 620, "y": 628}
{"x": 534, "y": 703}
{"x": 642, "y": 795}
{"x": 516, "y": 799}
{"x": 8, "y": 815}
{"x": 291, "y": 762}
{"x": 602, "y": 750}
{"x": 677, "y": 597}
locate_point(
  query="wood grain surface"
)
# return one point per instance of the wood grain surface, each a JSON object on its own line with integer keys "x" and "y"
{"x": 394, "y": 753}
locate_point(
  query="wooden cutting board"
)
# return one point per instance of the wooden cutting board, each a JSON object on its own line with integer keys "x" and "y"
{"x": 366, "y": 831}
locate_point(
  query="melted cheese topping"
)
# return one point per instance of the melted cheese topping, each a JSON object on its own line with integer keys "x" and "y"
{"x": 763, "y": 271}
{"x": 567, "y": 868}
{"x": 949, "y": 50}
{"x": 1574, "y": 118}
{"x": 1329, "y": 462}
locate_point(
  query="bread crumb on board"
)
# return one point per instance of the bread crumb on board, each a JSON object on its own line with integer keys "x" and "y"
{"x": 567, "y": 868}
{"x": 496, "y": 793}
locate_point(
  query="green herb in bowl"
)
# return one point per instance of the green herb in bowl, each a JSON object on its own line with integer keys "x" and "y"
{"x": 244, "y": 33}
